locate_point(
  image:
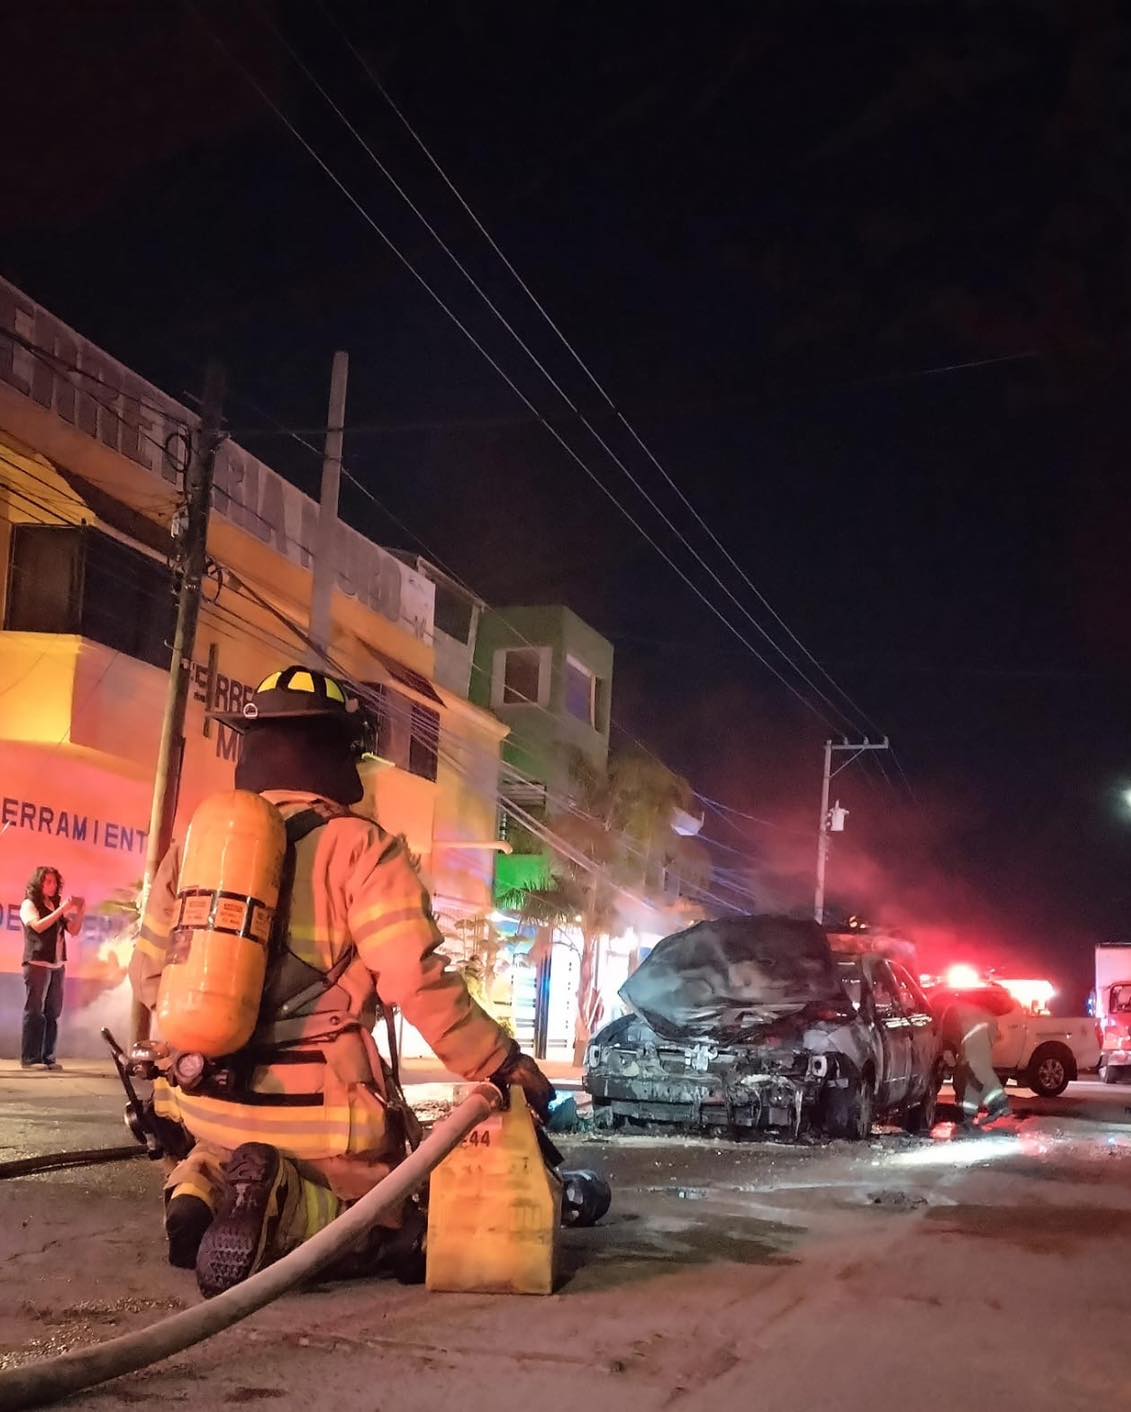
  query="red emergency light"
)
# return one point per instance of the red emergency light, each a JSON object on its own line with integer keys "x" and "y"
{"x": 961, "y": 976}
{"x": 1033, "y": 995}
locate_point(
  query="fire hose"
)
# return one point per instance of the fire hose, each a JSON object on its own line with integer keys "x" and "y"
{"x": 55, "y": 1161}
{"x": 45, "y": 1382}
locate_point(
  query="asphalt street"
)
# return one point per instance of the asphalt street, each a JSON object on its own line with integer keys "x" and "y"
{"x": 945, "y": 1273}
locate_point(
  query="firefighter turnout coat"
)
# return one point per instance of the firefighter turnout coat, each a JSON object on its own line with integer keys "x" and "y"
{"x": 311, "y": 1081}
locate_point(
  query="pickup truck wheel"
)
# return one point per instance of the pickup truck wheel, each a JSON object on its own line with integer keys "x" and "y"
{"x": 1050, "y": 1070}
{"x": 849, "y": 1111}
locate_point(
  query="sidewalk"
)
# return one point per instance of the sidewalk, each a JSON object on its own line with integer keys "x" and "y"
{"x": 425, "y": 1080}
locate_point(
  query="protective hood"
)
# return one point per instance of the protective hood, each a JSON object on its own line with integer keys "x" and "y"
{"x": 306, "y": 756}
{"x": 724, "y": 979}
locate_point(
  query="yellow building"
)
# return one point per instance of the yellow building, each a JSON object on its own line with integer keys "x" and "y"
{"x": 90, "y": 459}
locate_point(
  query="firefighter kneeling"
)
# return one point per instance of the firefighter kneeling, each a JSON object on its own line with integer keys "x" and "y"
{"x": 268, "y": 977}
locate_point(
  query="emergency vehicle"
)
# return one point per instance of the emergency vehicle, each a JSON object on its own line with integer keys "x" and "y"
{"x": 1113, "y": 1008}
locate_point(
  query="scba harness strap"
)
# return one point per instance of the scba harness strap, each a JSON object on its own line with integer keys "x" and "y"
{"x": 292, "y": 983}
{"x": 289, "y": 1031}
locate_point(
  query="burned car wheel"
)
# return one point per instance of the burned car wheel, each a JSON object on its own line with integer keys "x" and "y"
{"x": 848, "y": 1112}
{"x": 920, "y": 1117}
{"x": 604, "y": 1119}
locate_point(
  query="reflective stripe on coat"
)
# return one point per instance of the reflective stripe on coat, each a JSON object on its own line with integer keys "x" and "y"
{"x": 354, "y": 885}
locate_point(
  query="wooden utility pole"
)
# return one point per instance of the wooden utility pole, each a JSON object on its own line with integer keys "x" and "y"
{"x": 832, "y": 820}
{"x": 325, "y": 545}
{"x": 192, "y": 544}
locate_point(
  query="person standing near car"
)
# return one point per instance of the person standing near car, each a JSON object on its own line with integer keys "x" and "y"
{"x": 48, "y": 918}
{"x": 968, "y": 1021}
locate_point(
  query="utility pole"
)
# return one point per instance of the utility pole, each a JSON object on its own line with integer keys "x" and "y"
{"x": 325, "y": 567}
{"x": 832, "y": 820}
{"x": 192, "y": 541}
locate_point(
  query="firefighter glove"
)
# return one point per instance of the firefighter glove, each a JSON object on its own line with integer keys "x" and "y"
{"x": 520, "y": 1069}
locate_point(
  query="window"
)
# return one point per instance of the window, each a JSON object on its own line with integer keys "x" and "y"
{"x": 601, "y": 705}
{"x": 1120, "y": 999}
{"x": 912, "y": 999}
{"x": 408, "y": 734}
{"x": 580, "y": 692}
{"x": 45, "y": 580}
{"x": 883, "y": 988}
{"x": 852, "y": 981}
{"x": 81, "y": 581}
{"x": 521, "y": 677}
{"x": 382, "y": 719}
{"x": 454, "y": 613}
{"x": 127, "y": 601}
{"x": 424, "y": 742}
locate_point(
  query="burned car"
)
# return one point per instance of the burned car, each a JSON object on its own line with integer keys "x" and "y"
{"x": 753, "y": 1024}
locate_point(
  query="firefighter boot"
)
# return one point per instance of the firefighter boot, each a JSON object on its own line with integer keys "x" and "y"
{"x": 187, "y": 1217}
{"x": 266, "y": 1209}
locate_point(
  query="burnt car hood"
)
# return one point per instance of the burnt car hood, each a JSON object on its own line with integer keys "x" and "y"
{"x": 728, "y": 979}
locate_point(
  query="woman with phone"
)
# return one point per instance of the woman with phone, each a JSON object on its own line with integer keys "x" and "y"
{"x": 48, "y": 917}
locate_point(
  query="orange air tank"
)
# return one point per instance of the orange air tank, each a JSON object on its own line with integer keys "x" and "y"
{"x": 227, "y": 893}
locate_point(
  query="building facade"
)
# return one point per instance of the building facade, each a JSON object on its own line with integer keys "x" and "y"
{"x": 548, "y": 675}
{"x": 91, "y": 461}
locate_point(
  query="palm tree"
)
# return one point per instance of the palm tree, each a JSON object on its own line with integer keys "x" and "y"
{"x": 617, "y": 830}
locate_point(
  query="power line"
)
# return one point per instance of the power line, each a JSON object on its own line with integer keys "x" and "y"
{"x": 597, "y": 385}
{"x": 493, "y": 362}
{"x": 270, "y": 640}
{"x": 569, "y": 401}
{"x": 50, "y": 361}
{"x": 541, "y": 831}
{"x": 384, "y": 704}
{"x": 459, "y": 581}
{"x": 727, "y": 813}
{"x": 50, "y": 356}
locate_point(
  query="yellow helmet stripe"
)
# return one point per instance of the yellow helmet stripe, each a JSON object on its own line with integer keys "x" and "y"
{"x": 268, "y": 682}
{"x": 301, "y": 681}
{"x": 334, "y": 691}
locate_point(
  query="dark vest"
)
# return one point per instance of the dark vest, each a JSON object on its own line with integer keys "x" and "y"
{"x": 49, "y": 945}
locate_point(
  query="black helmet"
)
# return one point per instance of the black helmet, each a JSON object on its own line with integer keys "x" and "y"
{"x": 297, "y": 693}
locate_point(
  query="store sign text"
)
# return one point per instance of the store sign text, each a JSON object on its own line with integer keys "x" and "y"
{"x": 68, "y": 824}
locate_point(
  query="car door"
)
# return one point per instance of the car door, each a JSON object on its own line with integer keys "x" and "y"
{"x": 895, "y": 1035}
{"x": 925, "y": 1043}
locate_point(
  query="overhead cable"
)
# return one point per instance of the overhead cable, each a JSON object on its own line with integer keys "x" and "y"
{"x": 554, "y": 327}
{"x": 493, "y": 362}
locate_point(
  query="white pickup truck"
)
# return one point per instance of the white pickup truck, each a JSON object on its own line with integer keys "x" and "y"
{"x": 1041, "y": 1052}
{"x": 1045, "y": 1052}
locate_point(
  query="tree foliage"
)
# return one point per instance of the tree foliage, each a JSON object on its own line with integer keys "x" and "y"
{"x": 618, "y": 847}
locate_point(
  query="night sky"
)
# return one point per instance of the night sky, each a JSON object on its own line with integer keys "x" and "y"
{"x": 770, "y": 229}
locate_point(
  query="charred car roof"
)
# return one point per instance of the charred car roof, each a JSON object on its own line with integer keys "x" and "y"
{"x": 725, "y": 978}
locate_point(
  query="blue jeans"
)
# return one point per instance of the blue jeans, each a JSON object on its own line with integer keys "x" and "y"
{"x": 43, "y": 1004}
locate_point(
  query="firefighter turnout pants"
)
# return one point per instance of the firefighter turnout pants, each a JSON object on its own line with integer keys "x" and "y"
{"x": 310, "y": 1203}
{"x": 976, "y": 1085}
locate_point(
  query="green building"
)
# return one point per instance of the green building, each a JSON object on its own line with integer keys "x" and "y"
{"x": 548, "y": 676}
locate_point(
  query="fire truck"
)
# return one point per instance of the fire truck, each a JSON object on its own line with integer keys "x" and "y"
{"x": 1113, "y": 1008}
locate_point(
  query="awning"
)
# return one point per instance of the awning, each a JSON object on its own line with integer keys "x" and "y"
{"x": 415, "y": 681}
{"x": 153, "y": 533}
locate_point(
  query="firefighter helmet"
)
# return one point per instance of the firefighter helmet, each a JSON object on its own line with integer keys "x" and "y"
{"x": 296, "y": 693}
